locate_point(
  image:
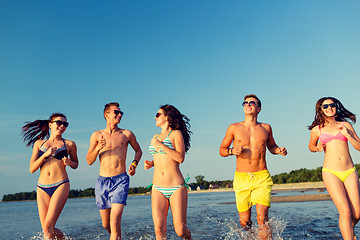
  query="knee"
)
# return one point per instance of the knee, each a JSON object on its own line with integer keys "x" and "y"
{"x": 183, "y": 232}
{"x": 261, "y": 219}
{"x": 106, "y": 226}
{"x": 246, "y": 223}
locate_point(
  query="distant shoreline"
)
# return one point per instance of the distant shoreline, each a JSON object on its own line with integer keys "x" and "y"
{"x": 302, "y": 187}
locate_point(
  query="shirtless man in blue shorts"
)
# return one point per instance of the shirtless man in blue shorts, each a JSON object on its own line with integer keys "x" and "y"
{"x": 252, "y": 181}
{"x": 112, "y": 185}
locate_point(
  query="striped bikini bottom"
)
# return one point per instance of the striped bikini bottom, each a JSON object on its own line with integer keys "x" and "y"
{"x": 167, "y": 192}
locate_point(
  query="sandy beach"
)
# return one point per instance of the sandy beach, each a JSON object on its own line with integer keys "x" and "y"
{"x": 300, "y": 187}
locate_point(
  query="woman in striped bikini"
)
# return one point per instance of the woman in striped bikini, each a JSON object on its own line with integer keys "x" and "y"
{"x": 331, "y": 132}
{"x": 168, "y": 149}
{"x": 51, "y": 156}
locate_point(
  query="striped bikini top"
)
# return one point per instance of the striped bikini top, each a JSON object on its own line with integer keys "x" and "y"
{"x": 166, "y": 142}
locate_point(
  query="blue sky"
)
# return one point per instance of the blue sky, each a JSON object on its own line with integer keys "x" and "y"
{"x": 201, "y": 56}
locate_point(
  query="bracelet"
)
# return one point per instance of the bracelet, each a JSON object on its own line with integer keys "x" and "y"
{"x": 135, "y": 164}
{"x": 228, "y": 151}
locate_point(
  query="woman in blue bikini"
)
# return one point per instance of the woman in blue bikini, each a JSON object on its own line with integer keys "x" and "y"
{"x": 168, "y": 149}
{"x": 331, "y": 132}
{"x": 51, "y": 156}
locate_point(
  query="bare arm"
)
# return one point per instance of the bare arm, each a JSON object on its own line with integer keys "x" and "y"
{"x": 95, "y": 147}
{"x": 178, "y": 142}
{"x": 348, "y": 131}
{"x": 36, "y": 161}
{"x": 73, "y": 161}
{"x": 138, "y": 153}
{"x": 272, "y": 146}
{"x": 314, "y": 146}
{"x": 226, "y": 142}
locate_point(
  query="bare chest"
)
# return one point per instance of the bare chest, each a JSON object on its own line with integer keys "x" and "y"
{"x": 251, "y": 137}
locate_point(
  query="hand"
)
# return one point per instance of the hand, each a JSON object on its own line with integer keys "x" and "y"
{"x": 66, "y": 161}
{"x": 282, "y": 151}
{"x": 237, "y": 150}
{"x": 148, "y": 164}
{"x": 344, "y": 131}
{"x": 50, "y": 152}
{"x": 131, "y": 170}
{"x": 156, "y": 143}
{"x": 101, "y": 143}
{"x": 321, "y": 147}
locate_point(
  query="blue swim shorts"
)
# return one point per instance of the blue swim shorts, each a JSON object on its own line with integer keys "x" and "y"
{"x": 110, "y": 190}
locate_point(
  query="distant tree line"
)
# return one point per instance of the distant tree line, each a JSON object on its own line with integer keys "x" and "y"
{"x": 295, "y": 176}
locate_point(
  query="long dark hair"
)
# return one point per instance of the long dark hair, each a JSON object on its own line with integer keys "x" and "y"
{"x": 38, "y": 129}
{"x": 178, "y": 121}
{"x": 342, "y": 114}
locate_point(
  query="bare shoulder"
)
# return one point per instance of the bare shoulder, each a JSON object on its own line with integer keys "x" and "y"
{"x": 69, "y": 143}
{"x": 38, "y": 143}
{"x": 97, "y": 133}
{"x": 175, "y": 134}
{"x": 266, "y": 126}
{"x": 236, "y": 125}
{"x": 127, "y": 133}
{"x": 315, "y": 131}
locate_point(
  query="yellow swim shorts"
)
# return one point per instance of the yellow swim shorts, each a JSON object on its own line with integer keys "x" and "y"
{"x": 252, "y": 188}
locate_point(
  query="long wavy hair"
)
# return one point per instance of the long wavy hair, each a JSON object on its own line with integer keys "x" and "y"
{"x": 38, "y": 129}
{"x": 178, "y": 121}
{"x": 342, "y": 114}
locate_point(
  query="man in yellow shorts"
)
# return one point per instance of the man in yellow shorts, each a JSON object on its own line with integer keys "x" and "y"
{"x": 252, "y": 181}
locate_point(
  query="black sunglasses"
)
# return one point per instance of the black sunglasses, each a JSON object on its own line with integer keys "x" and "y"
{"x": 117, "y": 112}
{"x": 251, "y": 103}
{"x": 325, "y": 106}
{"x": 158, "y": 114}
{"x": 59, "y": 123}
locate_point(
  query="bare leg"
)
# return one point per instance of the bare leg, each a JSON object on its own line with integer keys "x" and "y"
{"x": 160, "y": 208}
{"x": 50, "y": 210}
{"x": 115, "y": 221}
{"x": 105, "y": 219}
{"x": 263, "y": 221}
{"x": 178, "y": 204}
{"x": 337, "y": 192}
{"x": 353, "y": 193}
{"x": 245, "y": 220}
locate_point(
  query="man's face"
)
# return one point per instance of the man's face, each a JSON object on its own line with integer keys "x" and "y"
{"x": 251, "y": 106}
{"x": 114, "y": 114}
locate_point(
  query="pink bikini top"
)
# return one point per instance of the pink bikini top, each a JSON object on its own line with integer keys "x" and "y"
{"x": 325, "y": 138}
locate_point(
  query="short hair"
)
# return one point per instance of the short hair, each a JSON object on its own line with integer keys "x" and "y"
{"x": 108, "y": 105}
{"x": 253, "y": 96}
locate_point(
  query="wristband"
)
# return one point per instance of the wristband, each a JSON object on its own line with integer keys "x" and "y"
{"x": 228, "y": 151}
{"x": 135, "y": 164}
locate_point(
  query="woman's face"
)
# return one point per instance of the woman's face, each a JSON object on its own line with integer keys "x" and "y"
{"x": 328, "y": 107}
{"x": 160, "y": 118}
{"x": 58, "y": 125}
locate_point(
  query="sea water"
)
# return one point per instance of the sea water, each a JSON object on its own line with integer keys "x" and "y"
{"x": 211, "y": 215}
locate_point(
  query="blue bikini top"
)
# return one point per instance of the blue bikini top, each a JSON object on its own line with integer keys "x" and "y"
{"x": 166, "y": 142}
{"x": 59, "y": 154}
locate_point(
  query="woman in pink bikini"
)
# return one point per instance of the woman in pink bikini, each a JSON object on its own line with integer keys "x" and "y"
{"x": 168, "y": 149}
{"x": 51, "y": 156}
{"x": 331, "y": 132}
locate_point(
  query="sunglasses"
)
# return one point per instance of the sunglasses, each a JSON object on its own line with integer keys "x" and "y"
{"x": 117, "y": 112}
{"x": 158, "y": 114}
{"x": 251, "y": 103}
{"x": 59, "y": 123}
{"x": 325, "y": 106}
